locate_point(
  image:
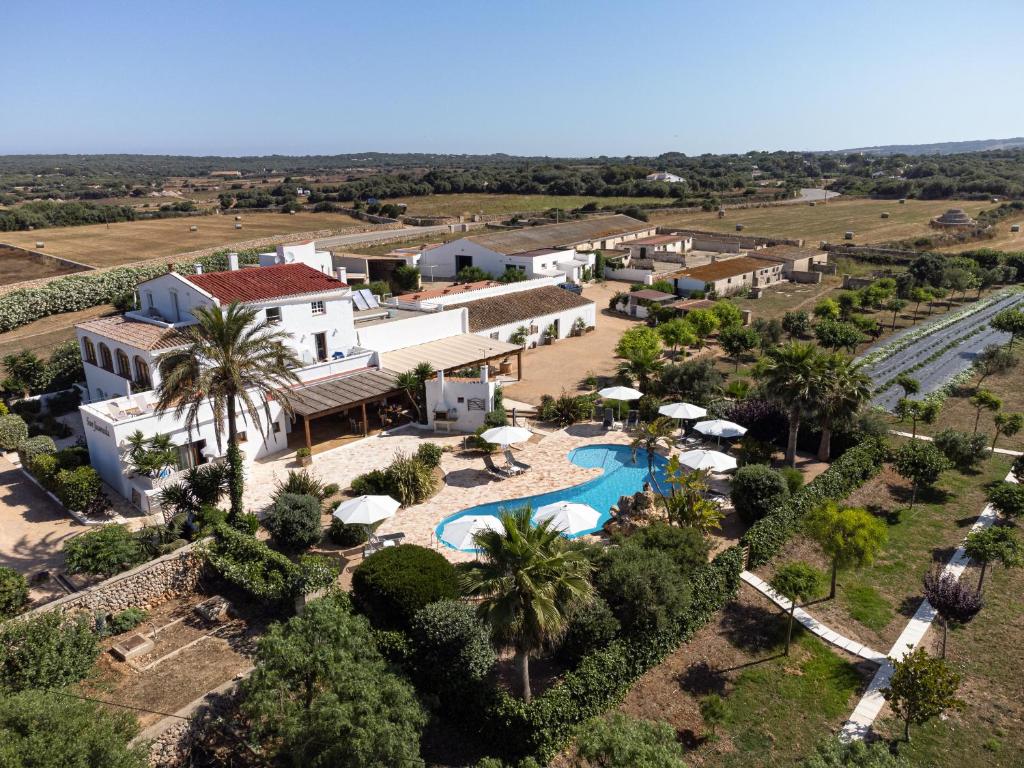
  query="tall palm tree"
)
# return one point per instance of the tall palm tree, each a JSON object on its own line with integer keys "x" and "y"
{"x": 843, "y": 389}
{"x": 789, "y": 374}
{"x": 649, "y": 437}
{"x": 228, "y": 360}
{"x": 640, "y": 366}
{"x": 529, "y": 582}
{"x": 409, "y": 383}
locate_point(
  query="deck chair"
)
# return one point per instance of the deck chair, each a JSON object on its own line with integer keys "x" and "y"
{"x": 514, "y": 462}
{"x": 494, "y": 470}
{"x": 609, "y": 419}
{"x": 633, "y": 420}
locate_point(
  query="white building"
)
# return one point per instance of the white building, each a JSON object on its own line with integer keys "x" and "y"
{"x": 562, "y": 250}
{"x": 669, "y": 178}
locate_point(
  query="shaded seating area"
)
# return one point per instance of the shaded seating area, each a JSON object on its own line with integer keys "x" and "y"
{"x": 498, "y": 473}
{"x": 377, "y": 543}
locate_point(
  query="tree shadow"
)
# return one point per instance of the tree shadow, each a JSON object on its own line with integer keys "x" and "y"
{"x": 942, "y": 554}
{"x": 908, "y": 606}
{"x": 966, "y": 522}
{"x": 468, "y": 478}
{"x": 751, "y": 628}
{"x": 701, "y": 679}
{"x": 888, "y": 516}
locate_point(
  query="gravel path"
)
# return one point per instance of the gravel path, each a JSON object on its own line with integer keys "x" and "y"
{"x": 933, "y": 375}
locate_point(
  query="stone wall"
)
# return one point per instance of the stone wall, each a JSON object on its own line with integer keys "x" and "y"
{"x": 46, "y": 258}
{"x": 173, "y": 574}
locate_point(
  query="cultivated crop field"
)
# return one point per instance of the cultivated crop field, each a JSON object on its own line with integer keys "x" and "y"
{"x": 103, "y": 246}
{"x": 455, "y": 205}
{"x": 830, "y": 221}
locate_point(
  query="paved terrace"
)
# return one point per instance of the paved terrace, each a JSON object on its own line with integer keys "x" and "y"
{"x": 466, "y": 482}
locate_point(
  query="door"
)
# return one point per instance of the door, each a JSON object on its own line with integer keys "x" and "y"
{"x": 321, "y": 345}
{"x": 462, "y": 261}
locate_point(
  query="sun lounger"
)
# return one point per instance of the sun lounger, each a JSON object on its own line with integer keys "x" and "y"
{"x": 609, "y": 421}
{"x": 377, "y": 543}
{"x": 514, "y": 462}
{"x": 633, "y": 420}
{"x": 494, "y": 470}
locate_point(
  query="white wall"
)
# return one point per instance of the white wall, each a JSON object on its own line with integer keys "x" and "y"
{"x": 444, "y": 394}
{"x": 298, "y": 320}
{"x": 443, "y": 259}
{"x": 481, "y": 293}
{"x": 162, "y": 288}
{"x": 645, "y": 276}
{"x": 409, "y": 331}
{"x": 565, "y": 323}
{"x": 103, "y": 384}
{"x": 299, "y": 253}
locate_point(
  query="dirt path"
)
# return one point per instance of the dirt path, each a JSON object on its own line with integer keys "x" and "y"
{"x": 43, "y": 335}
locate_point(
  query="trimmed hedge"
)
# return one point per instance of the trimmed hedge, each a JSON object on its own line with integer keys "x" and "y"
{"x": 391, "y": 585}
{"x": 13, "y": 432}
{"x": 78, "y": 488}
{"x": 603, "y": 678}
{"x": 767, "y": 536}
{"x": 35, "y": 446}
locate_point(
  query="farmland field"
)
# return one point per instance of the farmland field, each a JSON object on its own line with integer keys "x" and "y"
{"x": 1005, "y": 240}
{"x": 829, "y": 221}
{"x": 103, "y": 246}
{"x": 16, "y": 266}
{"x": 455, "y": 205}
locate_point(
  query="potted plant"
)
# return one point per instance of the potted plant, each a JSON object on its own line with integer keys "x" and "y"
{"x": 304, "y": 457}
{"x": 579, "y": 327}
{"x": 550, "y": 334}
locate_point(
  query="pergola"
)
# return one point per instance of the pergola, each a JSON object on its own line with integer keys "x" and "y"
{"x": 452, "y": 353}
{"x": 331, "y": 396}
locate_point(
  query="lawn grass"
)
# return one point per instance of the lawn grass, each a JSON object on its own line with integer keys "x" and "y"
{"x": 100, "y": 245}
{"x": 867, "y": 606}
{"x": 828, "y": 222}
{"x": 472, "y": 203}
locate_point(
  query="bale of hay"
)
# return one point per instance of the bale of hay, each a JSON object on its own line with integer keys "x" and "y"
{"x": 238, "y": 226}
{"x": 193, "y": 228}
{"x": 812, "y": 203}
{"x": 1015, "y": 227}
{"x": 739, "y": 227}
{"x": 238, "y": 218}
{"x": 903, "y": 201}
{"x": 40, "y": 244}
{"x": 885, "y": 214}
{"x": 848, "y": 235}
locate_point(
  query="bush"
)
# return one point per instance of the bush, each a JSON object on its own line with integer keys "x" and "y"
{"x": 429, "y": 454}
{"x": 49, "y": 426}
{"x": 45, "y": 651}
{"x": 645, "y": 589}
{"x": 451, "y": 652}
{"x": 78, "y": 488}
{"x": 592, "y": 627}
{"x": 13, "y": 432}
{"x": 408, "y": 480}
{"x": 793, "y": 478}
{"x": 246, "y": 523}
{"x": 621, "y": 740}
{"x": 847, "y": 473}
{"x": 962, "y": 450}
{"x": 756, "y": 490}
{"x": 35, "y": 446}
{"x": 64, "y": 402}
{"x": 345, "y": 535}
{"x": 1008, "y": 498}
{"x": 103, "y": 551}
{"x": 27, "y": 408}
{"x": 331, "y": 489}
{"x": 370, "y": 484}
{"x": 391, "y": 585}
{"x": 301, "y": 483}
{"x": 294, "y": 521}
{"x": 13, "y": 592}
{"x": 125, "y": 621}
{"x": 684, "y": 545}
{"x": 44, "y": 468}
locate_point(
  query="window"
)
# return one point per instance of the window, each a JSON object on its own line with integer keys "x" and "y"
{"x": 142, "y": 378}
{"x": 320, "y": 339}
{"x": 274, "y": 315}
{"x": 277, "y": 428}
{"x": 106, "y": 361}
{"x": 149, "y": 300}
{"x": 317, "y": 307}
{"x": 175, "y": 306}
{"x": 124, "y": 369}
{"x": 90, "y": 350}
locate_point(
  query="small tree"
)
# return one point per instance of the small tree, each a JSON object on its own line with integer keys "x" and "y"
{"x": 952, "y": 600}
{"x": 921, "y": 687}
{"x": 995, "y": 544}
{"x": 519, "y": 336}
{"x": 451, "y": 650}
{"x": 294, "y": 521}
{"x": 1007, "y": 498}
{"x": 1009, "y": 321}
{"x": 984, "y": 400}
{"x": 993, "y": 360}
{"x": 714, "y": 711}
{"x": 677, "y": 333}
{"x": 796, "y": 324}
{"x": 704, "y": 322}
{"x": 963, "y": 451}
{"x": 756, "y": 490}
{"x": 920, "y": 463}
{"x": 796, "y": 581}
{"x": 13, "y": 592}
{"x": 26, "y": 373}
{"x": 103, "y": 551}
{"x": 620, "y": 740}
{"x": 737, "y": 340}
{"x": 894, "y": 305}
{"x": 849, "y": 536}
{"x": 923, "y": 411}
{"x": 1008, "y": 424}
{"x": 908, "y": 384}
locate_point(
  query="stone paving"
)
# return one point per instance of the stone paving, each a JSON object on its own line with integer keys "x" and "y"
{"x": 466, "y": 482}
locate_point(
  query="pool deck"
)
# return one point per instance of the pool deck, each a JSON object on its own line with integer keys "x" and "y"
{"x": 466, "y": 482}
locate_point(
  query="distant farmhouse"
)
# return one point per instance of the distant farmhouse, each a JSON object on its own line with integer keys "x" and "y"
{"x": 550, "y": 250}
{"x": 670, "y": 178}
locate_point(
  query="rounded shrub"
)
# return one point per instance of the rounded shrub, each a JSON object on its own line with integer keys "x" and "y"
{"x": 294, "y": 521}
{"x": 756, "y": 490}
{"x": 13, "y": 592}
{"x": 44, "y": 468}
{"x": 394, "y": 583}
{"x": 13, "y": 432}
{"x": 429, "y": 454}
{"x": 369, "y": 484}
{"x": 345, "y": 535}
{"x": 451, "y": 649}
{"x": 103, "y": 551}
{"x": 35, "y": 446}
{"x": 645, "y": 588}
{"x": 794, "y": 478}
{"x": 77, "y": 488}
{"x": 593, "y": 626}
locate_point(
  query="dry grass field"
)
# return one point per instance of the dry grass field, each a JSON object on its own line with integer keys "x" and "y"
{"x": 103, "y": 246}
{"x": 1005, "y": 240}
{"x": 828, "y": 221}
{"x": 455, "y": 205}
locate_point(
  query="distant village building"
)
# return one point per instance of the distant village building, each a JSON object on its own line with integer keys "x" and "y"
{"x": 669, "y": 178}
{"x": 954, "y": 218}
{"x": 726, "y": 277}
{"x": 226, "y": 174}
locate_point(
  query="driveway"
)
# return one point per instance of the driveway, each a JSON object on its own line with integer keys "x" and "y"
{"x": 563, "y": 365}
{"x": 32, "y": 530}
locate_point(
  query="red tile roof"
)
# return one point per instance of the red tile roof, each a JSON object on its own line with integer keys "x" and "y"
{"x": 136, "y": 333}
{"x": 262, "y": 283}
{"x": 451, "y": 290}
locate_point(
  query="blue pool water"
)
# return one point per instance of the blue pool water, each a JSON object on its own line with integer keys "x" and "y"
{"x": 621, "y": 477}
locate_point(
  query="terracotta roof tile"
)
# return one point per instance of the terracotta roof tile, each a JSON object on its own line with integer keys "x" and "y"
{"x": 135, "y": 333}
{"x": 519, "y": 307}
{"x": 262, "y": 283}
{"x": 725, "y": 268}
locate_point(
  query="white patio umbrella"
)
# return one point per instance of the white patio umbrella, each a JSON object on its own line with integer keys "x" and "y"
{"x": 683, "y": 411}
{"x": 366, "y": 510}
{"x": 620, "y": 393}
{"x": 459, "y": 533}
{"x": 715, "y": 461}
{"x": 506, "y": 435}
{"x": 720, "y": 428}
{"x": 568, "y": 516}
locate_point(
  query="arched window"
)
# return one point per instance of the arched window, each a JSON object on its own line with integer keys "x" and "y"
{"x": 142, "y": 378}
{"x": 106, "y": 361}
{"x": 90, "y": 350}
{"x": 124, "y": 368}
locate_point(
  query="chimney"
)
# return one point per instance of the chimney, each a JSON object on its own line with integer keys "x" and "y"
{"x": 199, "y": 269}
{"x": 341, "y": 273}
{"x": 233, "y": 261}
{"x": 484, "y": 372}
{"x": 171, "y": 267}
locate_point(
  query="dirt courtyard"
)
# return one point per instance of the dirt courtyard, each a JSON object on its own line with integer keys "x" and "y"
{"x": 564, "y": 364}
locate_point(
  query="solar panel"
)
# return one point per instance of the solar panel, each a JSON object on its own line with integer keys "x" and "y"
{"x": 360, "y": 300}
{"x": 371, "y": 300}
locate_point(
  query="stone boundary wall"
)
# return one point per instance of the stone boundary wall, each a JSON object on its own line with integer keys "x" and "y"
{"x": 46, "y": 258}
{"x": 176, "y": 573}
{"x": 269, "y": 240}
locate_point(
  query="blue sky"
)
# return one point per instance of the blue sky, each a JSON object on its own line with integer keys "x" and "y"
{"x": 555, "y": 77}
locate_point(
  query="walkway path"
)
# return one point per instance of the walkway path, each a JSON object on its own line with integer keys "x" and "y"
{"x": 1005, "y": 451}
{"x": 871, "y": 703}
{"x": 815, "y": 626}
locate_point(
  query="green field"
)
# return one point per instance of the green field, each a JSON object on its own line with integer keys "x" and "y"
{"x": 468, "y": 204}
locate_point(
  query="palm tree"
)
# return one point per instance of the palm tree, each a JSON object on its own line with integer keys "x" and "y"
{"x": 843, "y": 389}
{"x": 410, "y": 384}
{"x": 529, "y": 582}
{"x": 228, "y": 359}
{"x": 640, "y": 367}
{"x": 790, "y": 376}
{"x": 649, "y": 437}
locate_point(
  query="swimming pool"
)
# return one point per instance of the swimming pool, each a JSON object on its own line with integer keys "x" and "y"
{"x": 621, "y": 477}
